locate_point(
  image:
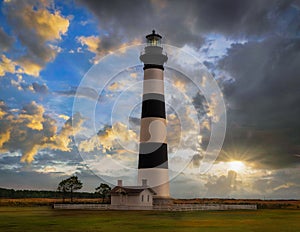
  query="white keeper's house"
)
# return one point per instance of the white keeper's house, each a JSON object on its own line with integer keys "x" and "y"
{"x": 132, "y": 196}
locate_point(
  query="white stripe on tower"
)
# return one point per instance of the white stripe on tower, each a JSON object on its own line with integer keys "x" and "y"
{"x": 153, "y": 86}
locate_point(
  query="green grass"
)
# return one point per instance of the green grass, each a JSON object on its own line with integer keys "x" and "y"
{"x": 47, "y": 219}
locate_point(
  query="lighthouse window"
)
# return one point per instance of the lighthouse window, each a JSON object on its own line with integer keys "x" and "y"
{"x": 153, "y": 42}
{"x": 142, "y": 197}
{"x": 148, "y": 198}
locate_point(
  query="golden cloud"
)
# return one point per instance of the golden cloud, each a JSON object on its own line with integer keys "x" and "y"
{"x": 29, "y": 67}
{"x": 114, "y": 86}
{"x": 33, "y": 116}
{"x": 48, "y": 26}
{"x": 31, "y": 130}
{"x": 65, "y": 117}
{"x": 38, "y": 27}
{"x": 213, "y": 108}
{"x": 110, "y": 138}
{"x": 92, "y": 43}
{"x": 124, "y": 46}
{"x": 7, "y": 65}
{"x": 133, "y": 75}
{"x": 180, "y": 85}
{"x": 95, "y": 45}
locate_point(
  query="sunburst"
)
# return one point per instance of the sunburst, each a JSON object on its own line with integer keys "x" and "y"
{"x": 237, "y": 166}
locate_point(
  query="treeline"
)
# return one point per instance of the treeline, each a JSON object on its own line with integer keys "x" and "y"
{"x": 15, "y": 194}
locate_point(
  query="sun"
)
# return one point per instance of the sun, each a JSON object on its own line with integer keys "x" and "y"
{"x": 236, "y": 166}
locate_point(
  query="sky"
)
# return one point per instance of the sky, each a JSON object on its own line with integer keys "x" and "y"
{"x": 71, "y": 85}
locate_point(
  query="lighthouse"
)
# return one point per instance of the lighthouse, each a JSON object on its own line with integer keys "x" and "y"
{"x": 153, "y": 152}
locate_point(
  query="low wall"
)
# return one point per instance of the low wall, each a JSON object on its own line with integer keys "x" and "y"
{"x": 195, "y": 207}
{"x": 125, "y": 207}
{"x": 82, "y": 206}
{"x": 175, "y": 207}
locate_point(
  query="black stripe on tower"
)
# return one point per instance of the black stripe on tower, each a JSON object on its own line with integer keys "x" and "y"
{"x": 147, "y": 66}
{"x": 153, "y": 155}
{"x": 153, "y": 106}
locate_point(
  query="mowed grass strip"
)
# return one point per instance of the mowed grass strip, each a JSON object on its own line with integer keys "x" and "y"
{"x": 47, "y": 219}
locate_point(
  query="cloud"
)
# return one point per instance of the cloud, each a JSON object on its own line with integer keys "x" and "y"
{"x": 187, "y": 23}
{"x": 279, "y": 184}
{"x": 115, "y": 137}
{"x": 92, "y": 42}
{"x": 18, "y": 83}
{"x": 81, "y": 91}
{"x": 38, "y": 28}
{"x": 134, "y": 75}
{"x": 115, "y": 18}
{"x": 180, "y": 85}
{"x": 32, "y": 130}
{"x": 65, "y": 117}
{"x": 262, "y": 102}
{"x": 7, "y": 65}
{"x": 101, "y": 47}
{"x": 115, "y": 86}
{"x": 223, "y": 186}
{"x": 5, "y": 40}
{"x": 34, "y": 87}
{"x": 63, "y": 138}
{"x": 39, "y": 88}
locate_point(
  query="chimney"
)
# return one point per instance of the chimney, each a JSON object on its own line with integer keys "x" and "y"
{"x": 120, "y": 183}
{"x": 144, "y": 182}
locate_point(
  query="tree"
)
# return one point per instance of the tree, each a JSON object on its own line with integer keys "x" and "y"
{"x": 103, "y": 190}
{"x": 62, "y": 188}
{"x": 69, "y": 185}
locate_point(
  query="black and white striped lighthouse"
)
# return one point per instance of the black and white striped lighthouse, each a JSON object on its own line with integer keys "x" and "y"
{"x": 153, "y": 154}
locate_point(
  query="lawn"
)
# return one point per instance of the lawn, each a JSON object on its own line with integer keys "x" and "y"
{"x": 47, "y": 219}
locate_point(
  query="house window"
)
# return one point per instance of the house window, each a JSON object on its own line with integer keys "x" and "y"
{"x": 148, "y": 198}
{"x": 142, "y": 197}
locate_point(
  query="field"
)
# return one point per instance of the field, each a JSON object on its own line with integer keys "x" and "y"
{"x": 46, "y": 219}
{"x": 261, "y": 204}
{"x": 42, "y": 201}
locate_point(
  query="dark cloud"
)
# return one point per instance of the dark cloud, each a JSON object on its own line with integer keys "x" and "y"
{"x": 238, "y": 18}
{"x": 40, "y": 88}
{"x": 196, "y": 160}
{"x": 263, "y": 102}
{"x": 5, "y": 40}
{"x": 86, "y": 92}
{"x": 279, "y": 184}
{"x": 126, "y": 21}
{"x": 223, "y": 186}
{"x": 183, "y": 22}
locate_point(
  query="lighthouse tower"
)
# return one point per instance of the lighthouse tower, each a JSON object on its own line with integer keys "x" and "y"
{"x": 153, "y": 153}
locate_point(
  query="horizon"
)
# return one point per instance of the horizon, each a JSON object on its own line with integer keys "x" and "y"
{"x": 206, "y": 198}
